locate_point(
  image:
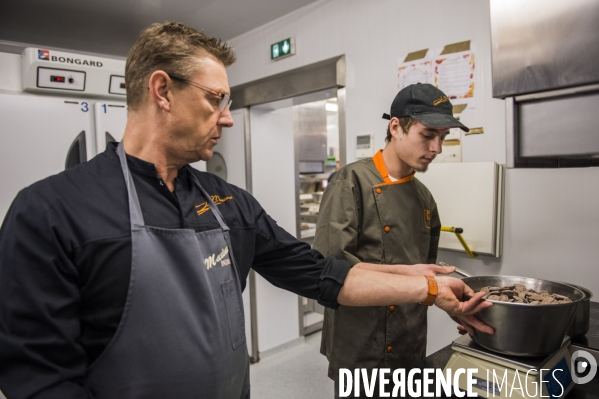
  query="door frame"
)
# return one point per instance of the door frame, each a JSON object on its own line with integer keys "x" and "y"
{"x": 319, "y": 76}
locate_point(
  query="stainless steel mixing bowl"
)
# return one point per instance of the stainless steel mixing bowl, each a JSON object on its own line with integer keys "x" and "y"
{"x": 580, "y": 324}
{"x": 522, "y": 329}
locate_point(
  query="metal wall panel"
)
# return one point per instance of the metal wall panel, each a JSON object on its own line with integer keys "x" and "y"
{"x": 542, "y": 45}
{"x": 319, "y": 76}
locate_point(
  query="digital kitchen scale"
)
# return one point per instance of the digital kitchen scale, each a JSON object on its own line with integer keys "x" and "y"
{"x": 590, "y": 341}
{"x": 503, "y": 376}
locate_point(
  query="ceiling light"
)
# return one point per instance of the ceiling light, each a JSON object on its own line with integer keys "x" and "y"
{"x": 331, "y": 107}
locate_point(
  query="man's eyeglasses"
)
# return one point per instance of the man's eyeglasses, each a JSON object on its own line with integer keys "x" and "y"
{"x": 225, "y": 99}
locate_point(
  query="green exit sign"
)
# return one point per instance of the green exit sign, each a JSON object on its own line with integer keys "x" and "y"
{"x": 282, "y": 49}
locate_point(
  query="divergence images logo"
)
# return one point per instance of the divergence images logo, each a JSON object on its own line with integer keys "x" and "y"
{"x": 43, "y": 55}
{"x": 580, "y": 366}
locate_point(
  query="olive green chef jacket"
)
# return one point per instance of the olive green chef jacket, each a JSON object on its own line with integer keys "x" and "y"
{"x": 364, "y": 217}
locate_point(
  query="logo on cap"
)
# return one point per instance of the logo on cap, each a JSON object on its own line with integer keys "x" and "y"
{"x": 440, "y": 100}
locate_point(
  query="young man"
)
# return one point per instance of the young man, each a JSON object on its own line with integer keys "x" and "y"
{"x": 376, "y": 211}
{"x": 122, "y": 277}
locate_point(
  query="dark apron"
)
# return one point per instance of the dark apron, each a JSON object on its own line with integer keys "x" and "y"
{"x": 182, "y": 332}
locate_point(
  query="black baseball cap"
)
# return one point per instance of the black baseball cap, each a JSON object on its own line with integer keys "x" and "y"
{"x": 425, "y": 103}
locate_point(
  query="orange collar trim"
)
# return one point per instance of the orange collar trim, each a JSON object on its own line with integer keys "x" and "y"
{"x": 379, "y": 163}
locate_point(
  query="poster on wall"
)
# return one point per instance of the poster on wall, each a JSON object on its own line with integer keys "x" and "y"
{"x": 416, "y": 67}
{"x": 451, "y": 69}
{"x": 454, "y": 73}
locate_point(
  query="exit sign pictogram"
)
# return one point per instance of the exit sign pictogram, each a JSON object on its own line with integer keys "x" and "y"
{"x": 282, "y": 49}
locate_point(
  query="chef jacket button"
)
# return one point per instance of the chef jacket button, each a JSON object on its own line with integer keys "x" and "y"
{"x": 389, "y": 348}
{"x": 387, "y": 229}
{"x": 392, "y": 308}
{"x": 378, "y": 190}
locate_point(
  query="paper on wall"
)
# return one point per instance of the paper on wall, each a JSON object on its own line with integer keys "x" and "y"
{"x": 452, "y": 70}
{"x": 416, "y": 67}
{"x": 454, "y": 73}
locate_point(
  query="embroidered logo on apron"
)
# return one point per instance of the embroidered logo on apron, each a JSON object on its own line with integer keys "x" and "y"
{"x": 214, "y": 259}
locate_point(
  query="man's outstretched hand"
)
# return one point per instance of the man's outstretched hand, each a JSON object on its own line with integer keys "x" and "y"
{"x": 461, "y": 304}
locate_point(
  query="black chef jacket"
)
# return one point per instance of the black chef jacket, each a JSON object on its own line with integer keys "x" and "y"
{"x": 65, "y": 261}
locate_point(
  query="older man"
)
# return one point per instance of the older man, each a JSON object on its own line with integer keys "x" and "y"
{"x": 122, "y": 277}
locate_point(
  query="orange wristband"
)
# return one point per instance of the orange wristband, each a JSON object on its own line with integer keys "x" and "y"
{"x": 433, "y": 290}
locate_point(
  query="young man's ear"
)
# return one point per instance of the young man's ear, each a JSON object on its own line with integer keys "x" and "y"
{"x": 395, "y": 127}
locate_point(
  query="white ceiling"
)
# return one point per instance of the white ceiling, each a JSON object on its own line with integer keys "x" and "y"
{"x": 111, "y": 26}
